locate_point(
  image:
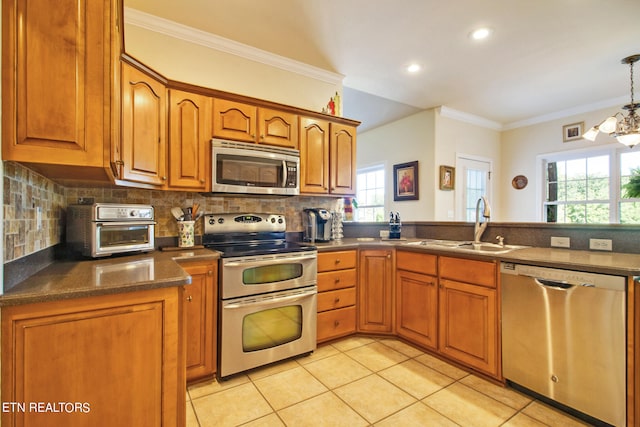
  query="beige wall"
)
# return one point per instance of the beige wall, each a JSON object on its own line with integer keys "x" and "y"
{"x": 404, "y": 140}
{"x": 520, "y": 151}
{"x": 192, "y": 63}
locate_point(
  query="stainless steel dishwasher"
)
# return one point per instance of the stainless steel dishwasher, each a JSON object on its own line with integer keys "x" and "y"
{"x": 563, "y": 337}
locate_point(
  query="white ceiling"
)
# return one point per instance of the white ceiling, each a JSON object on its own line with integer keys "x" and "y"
{"x": 545, "y": 58}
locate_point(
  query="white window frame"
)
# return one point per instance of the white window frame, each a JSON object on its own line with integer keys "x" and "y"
{"x": 367, "y": 169}
{"x": 461, "y": 183}
{"x": 615, "y": 195}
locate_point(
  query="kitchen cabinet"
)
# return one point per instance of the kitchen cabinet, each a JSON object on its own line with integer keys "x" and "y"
{"x": 234, "y": 120}
{"x": 189, "y": 141}
{"x": 375, "y": 291}
{"x": 120, "y": 357}
{"x": 57, "y": 85}
{"x": 244, "y": 122}
{"x": 417, "y": 298}
{"x": 144, "y": 129}
{"x": 201, "y": 318}
{"x": 468, "y": 314}
{"x": 277, "y": 128}
{"x": 336, "y": 294}
{"x": 327, "y": 157}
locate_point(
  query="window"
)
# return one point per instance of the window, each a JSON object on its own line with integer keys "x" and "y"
{"x": 588, "y": 188}
{"x": 370, "y": 194}
{"x": 475, "y": 173}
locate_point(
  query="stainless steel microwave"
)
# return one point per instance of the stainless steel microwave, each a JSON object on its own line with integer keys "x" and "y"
{"x": 104, "y": 229}
{"x": 245, "y": 168}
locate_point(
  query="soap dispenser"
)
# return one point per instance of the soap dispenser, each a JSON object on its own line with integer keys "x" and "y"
{"x": 394, "y": 225}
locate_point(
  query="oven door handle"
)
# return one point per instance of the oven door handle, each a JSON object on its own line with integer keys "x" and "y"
{"x": 270, "y": 300}
{"x": 269, "y": 260}
{"x": 125, "y": 223}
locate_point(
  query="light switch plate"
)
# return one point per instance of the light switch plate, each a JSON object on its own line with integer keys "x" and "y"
{"x": 600, "y": 244}
{"x": 560, "y": 242}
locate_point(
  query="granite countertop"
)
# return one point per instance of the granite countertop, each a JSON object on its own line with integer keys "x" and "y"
{"x": 593, "y": 261}
{"x": 74, "y": 279}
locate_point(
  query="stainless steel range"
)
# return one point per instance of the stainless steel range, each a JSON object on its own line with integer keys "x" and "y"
{"x": 268, "y": 292}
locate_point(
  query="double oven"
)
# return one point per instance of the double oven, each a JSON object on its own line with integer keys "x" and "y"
{"x": 267, "y": 291}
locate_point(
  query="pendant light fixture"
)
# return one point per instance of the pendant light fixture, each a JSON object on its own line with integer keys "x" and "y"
{"x": 627, "y": 129}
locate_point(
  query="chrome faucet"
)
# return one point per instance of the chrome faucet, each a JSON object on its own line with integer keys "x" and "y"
{"x": 486, "y": 213}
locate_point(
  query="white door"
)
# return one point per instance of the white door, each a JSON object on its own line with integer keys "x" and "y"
{"x": 474, "y": 180}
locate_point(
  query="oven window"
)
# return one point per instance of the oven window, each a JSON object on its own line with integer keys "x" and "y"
{"x": 116, "y": 235}
{"x": 271, "y": 273}
{"x": 271, "y": 328}
{"x": 244, "y": 170}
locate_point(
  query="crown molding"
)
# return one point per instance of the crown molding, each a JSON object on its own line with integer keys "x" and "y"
{"x": 192, "y": 35}
{"x": 461, "y": 116}
{"x": 582, "y": 109}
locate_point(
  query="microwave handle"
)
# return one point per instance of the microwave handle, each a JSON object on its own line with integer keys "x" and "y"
{"x": 284, "y": 173}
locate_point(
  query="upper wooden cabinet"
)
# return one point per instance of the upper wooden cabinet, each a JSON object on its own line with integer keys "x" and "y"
{"x": 342, "y": 159}
{"x": 327, "y": 157}
{"x": 277, "y": 128}
{"x": 234, "y": 120}
{"x": 189, "y": 141}
{"x": 57, "y": 84}
{"x": 144, "y": 129}
{"x": 244, "y": 122}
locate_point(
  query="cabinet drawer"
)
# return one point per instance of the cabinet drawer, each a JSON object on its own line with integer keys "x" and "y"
{"x": 331, "y": 280}
{"x": 417, "y": 262}
{"x": 338, "y": 260}
{"x": 468, "y": 271}
{"x": 336, "y": 299}
{"x": 336, "y": 323}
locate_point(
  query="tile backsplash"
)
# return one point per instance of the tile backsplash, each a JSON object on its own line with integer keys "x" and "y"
{"x": 25, "y": 191}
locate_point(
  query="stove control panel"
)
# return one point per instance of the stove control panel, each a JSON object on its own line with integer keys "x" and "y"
{"x": 243, "y": 223}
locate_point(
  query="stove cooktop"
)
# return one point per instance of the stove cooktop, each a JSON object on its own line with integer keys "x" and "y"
{"x": 255, "y": 249}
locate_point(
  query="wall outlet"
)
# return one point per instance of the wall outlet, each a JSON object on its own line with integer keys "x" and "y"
{"x": 600, "y": 244}
{"x": 560, "y": 242}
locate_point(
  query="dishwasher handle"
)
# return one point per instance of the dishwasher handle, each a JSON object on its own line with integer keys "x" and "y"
{"x": 553, "y": 284}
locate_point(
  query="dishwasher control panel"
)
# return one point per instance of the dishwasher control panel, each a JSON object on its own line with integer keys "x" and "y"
{"x": 571, "y": 277}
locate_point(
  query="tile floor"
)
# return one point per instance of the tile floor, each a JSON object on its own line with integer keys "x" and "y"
{"x": 363, "y": 381}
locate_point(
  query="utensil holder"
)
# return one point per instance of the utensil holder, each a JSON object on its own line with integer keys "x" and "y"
{"x": 186, "y": 234}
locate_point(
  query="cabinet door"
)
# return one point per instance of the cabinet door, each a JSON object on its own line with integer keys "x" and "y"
{"x": 119, "y": 355}
{"x": 144, "y": 128}
{"x": 314, "y": 156}
{"x": 234, "y": 120}
{"x": 417, "y": 308}
{"x": 55, "y": 81}
{"x": 342, "y": 159}
{"x": 375, "y": 291}
{"x": 277, "y": 128}
{"x": 189, "y": 141}
{"x": 200, "y": 310}
{"x": 468, "y": 329}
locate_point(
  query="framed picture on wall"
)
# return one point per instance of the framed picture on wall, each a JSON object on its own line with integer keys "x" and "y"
{"x": 572, "y": 132}
{"x": 447, "y": 177}
{"x": 405, "y": 181}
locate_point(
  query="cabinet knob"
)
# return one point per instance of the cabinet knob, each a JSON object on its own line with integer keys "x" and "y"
{"x": 202, "y": 181}
{"x": 336, "y": 323}
{"x": 189, "y": 298}
{"x": 337, "y": 260}
{"x": 389, "y": 256}
{"x": 164, "y": 178}
{"x": 337, "y": 280}
{"x": 337, "y": 300}
{"x": 209, "y": 273}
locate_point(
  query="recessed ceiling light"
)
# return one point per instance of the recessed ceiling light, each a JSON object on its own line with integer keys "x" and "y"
{"x": 413, "y": 68}
{"x": 480, "y": 33}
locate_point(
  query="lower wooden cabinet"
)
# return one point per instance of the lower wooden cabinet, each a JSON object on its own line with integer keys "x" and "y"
{"x": 375, "y": 291}
{"x": 200, "y": 310}
{"x": 417, "y": 308}
{"x": 100, "y": 361}
{"x": 336, "y": 294}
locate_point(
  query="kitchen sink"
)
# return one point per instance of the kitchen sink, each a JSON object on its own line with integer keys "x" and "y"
{"x": 466, "y": 246}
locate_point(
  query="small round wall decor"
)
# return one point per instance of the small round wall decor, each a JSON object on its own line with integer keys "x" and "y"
{"x": 519, "y": 182}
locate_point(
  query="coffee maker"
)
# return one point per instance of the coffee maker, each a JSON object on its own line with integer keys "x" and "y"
{"x": 317, "y": 224}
